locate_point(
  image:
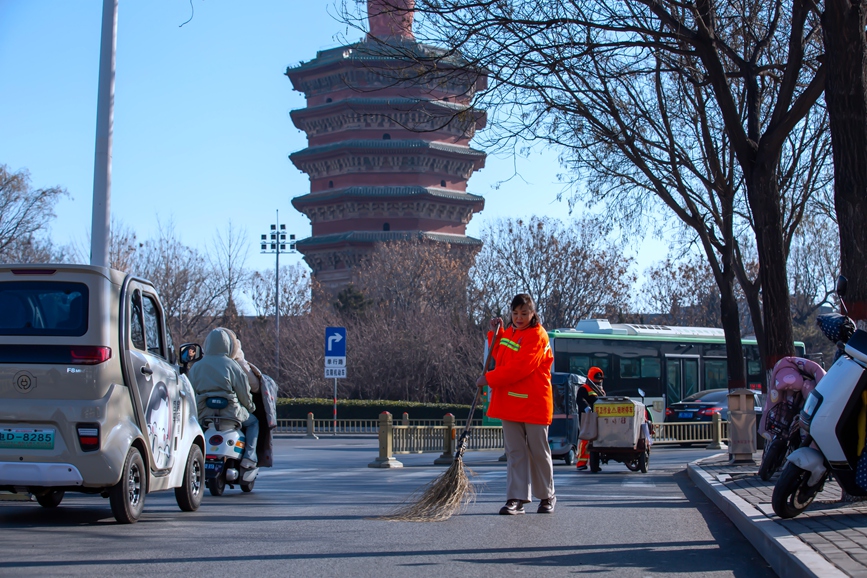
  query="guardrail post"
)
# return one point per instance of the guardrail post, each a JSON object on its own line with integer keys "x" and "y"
{"x": 716, "y": 433}
{"x": 310, "y": 433}
{"x": 449, "y": 442}
{"x": 386, "y": 437}
{"x": 405, "y": 418}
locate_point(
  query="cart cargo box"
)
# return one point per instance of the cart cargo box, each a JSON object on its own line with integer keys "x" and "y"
{"x": 620, "y": 420}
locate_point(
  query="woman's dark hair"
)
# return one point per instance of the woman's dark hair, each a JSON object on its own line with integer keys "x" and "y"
{"x": 524, "y": 299}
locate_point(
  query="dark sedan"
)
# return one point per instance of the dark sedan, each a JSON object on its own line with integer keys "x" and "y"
{"x": 702, "y": 405}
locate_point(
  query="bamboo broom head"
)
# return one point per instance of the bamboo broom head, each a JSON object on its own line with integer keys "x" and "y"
{"x": 440, "y": 499}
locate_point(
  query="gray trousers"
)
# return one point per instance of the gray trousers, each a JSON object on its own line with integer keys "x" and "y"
{"x": 528, "y": 463}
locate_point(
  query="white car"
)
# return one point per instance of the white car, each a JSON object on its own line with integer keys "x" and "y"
{"x": 91, "y": 396}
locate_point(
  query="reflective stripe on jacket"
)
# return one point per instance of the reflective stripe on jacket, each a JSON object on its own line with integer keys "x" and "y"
{"x": 520, "y": 382}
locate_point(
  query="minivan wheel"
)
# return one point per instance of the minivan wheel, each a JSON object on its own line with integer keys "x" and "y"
{"x": 50, "y": 499}
{"x": 128, "y": 495}
{"x": 189, "y": 495}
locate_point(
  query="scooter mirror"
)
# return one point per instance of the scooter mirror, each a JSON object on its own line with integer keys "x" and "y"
{"x": 842, "y": 285}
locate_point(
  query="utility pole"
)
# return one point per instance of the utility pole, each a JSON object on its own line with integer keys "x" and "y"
{"x": 100, "y": 231}
{"x": 275, "y": 242}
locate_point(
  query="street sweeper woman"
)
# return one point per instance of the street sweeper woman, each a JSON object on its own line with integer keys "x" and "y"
{"x": 521, "y": 396}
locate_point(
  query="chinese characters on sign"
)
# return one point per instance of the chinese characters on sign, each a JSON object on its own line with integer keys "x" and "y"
{"x": 335, "y": 367}
{"x": 615, "y": 410}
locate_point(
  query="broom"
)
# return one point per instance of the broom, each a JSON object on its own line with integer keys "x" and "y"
{"x": 452, "y": 491}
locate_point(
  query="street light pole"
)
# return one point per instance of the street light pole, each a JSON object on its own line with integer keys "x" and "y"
{"x": 275, "y": 242}
{"x": 100, "y": 228}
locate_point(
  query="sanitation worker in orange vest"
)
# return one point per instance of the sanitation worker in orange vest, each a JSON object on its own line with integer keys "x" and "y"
{"x": 521, "y": 396}
{"x": 587, "y": 396}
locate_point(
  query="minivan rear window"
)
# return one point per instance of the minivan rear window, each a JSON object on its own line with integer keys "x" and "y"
{"x": 43, "y": 308}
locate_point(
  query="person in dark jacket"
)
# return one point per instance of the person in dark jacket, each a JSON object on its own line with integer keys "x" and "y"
{"x": 588, "y": 393}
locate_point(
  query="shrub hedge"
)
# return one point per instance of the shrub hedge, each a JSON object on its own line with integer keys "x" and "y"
{"x": 323, "y": 408}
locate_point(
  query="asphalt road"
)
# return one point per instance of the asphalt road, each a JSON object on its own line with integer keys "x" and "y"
{"x": 314, "y": 514}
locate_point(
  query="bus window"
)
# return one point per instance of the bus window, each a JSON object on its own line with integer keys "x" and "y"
{"x": 580, "y": 364}
{"x": 651, "y": 367}
{"x": 630, "y": 368}
{"x": 634, "y": 368}
{"x": 715, "y": 374}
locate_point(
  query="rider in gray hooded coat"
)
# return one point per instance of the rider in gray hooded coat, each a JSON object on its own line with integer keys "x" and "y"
{"x": 217, "y": 375}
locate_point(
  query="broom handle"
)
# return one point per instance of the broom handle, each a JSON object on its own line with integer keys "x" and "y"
{"x": 461, "y": 445}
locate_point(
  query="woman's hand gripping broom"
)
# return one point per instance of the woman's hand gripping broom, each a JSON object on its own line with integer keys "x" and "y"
{"x": 452, "y": 491}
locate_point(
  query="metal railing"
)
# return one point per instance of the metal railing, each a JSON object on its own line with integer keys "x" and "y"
{"x": 426, "y": 436}
{"x": 706, "y": 432}
{"x": 313, "y": 427}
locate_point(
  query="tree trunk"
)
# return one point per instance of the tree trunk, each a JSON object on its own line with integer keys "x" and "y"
{"x": 843, "y": 25}
{"x": 778, "y": 342}
{"x": 732, "y": 326}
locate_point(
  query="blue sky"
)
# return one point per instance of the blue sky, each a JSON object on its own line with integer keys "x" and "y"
{"x": 202, "y": 131}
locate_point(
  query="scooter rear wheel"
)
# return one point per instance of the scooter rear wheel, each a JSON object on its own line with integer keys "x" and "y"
{"x": 247, "y": 488}
{"x": 771, "y": 459}
{"x": 792, "y": 495}
{"x": 217, "y": 486}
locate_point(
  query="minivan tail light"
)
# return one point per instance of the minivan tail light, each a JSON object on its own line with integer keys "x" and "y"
{"x": 90, "y": 355}
{"x": 88, "y": 436}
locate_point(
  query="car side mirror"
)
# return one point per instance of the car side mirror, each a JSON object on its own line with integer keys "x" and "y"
{"x": 190, "y": 352}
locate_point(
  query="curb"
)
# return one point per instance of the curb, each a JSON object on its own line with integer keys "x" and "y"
{"x": 787, "y": 555}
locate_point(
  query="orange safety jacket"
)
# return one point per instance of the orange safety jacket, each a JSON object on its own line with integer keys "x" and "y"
{"x": 520, "y": 382}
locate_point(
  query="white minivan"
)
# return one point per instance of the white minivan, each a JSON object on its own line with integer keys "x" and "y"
{"x": 91, "y": 395}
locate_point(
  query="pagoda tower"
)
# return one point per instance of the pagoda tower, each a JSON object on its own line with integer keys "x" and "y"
{"x": 388, "y": 152}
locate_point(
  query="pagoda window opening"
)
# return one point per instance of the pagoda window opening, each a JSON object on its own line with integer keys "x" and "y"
{"x": 328, "y": 100}
{"x": 386, "y": 227}
{"x": 442, "y": 183}
{"x": 330, "y": 184}
{"x": 386, "y": 136}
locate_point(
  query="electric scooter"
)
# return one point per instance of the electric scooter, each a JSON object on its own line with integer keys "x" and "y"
{"x": 830, "y": 420}
{"x": 225, "y": 443}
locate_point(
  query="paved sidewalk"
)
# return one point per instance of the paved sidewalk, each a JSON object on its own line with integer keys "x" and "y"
{"x": 829, "y": 539}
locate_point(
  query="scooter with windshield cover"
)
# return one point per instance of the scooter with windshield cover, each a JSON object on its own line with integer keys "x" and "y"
{"x": 830, "y": 418}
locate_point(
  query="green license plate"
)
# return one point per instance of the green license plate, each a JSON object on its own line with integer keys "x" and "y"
{"x": 26, "y": 439}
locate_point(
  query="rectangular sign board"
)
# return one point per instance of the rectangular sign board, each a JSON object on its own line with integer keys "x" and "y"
{"x": 335, "y": 342}
{"x": 335, "y": 352}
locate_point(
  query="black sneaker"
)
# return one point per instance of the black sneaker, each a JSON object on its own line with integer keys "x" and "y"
{"x": 512, "y": 508}
{"x": 546, "y": 506}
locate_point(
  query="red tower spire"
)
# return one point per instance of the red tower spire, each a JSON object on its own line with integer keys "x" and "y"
{"x": 390, "y": 18}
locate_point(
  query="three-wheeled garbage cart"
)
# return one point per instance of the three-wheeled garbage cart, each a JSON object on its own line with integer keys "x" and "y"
{"x": 623, "y": 434}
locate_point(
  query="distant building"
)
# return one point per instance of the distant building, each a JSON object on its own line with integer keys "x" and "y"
{"x": 388, "y": 152}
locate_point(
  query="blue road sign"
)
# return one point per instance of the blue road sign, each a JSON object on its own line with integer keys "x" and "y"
{"x": 335, "y": 342}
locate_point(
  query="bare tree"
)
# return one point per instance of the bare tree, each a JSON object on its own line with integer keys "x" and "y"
{"x": 227, "y": 259}
{"x": 844, "y": 29}
{"x": 682, "y": 292}
{"x": 660, "y": 98}
{"x": 25, "y": 213}
{"x": 189, "y": 289}
{"x": 573, "y": 271}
